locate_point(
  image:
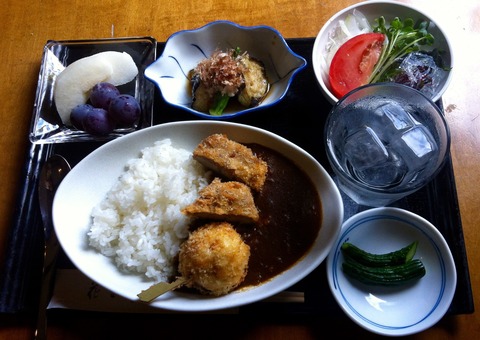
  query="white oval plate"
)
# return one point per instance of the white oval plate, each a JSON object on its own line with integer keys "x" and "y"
{"x": 88, "y": 182}
{"x": 394, "y": 311}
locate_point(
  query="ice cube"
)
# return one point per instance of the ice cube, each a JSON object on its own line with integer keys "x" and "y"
{"x": 392, "y": 119}
{"x": 417, "y": 147}
{"x": 385, "y": 175}
{"x": 419, "y": 141}
{"x": 364, "y": 149}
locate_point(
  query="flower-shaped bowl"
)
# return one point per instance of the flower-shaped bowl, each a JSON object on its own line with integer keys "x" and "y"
{"x": 185, "y": 49}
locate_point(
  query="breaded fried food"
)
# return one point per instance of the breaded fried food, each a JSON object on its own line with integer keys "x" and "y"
{"x": 214, "y": 259}
{"x": 227, "y": 201}
{"x": 232, "y": 159}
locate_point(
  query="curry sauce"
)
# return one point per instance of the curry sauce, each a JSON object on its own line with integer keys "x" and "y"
{"x": 290, "y": 218}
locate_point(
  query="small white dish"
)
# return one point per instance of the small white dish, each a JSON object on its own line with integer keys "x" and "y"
{"x": 185, "y": 49}
{"x": 394, "y": 311}
{"x": 373, "y": 9}
{"x": 90, "y": 180}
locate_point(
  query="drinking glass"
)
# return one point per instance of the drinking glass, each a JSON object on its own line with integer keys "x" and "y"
{"x": 385, "y": 141}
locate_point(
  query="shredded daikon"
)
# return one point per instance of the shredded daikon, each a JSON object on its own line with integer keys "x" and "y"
{"x": 355, "y": 23}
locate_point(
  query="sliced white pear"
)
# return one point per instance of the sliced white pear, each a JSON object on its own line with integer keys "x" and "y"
{"x": 73, "y": 84}
{"x": 123, "y": 67}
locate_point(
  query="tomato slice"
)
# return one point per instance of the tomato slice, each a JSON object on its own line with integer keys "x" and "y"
{"x": 354, "y": 61}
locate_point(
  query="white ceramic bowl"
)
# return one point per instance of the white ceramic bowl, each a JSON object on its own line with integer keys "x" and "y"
{"x": 89, "y": 181}
{"x": 371, "y": 10}
{"x": 184, "y": 49}
{"x": 402, "y": 310}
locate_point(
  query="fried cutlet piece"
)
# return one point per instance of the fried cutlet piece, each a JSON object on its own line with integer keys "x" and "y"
{"x": 233, "y": 160}
{"x": 214, "y": 259}
{"x": 228, "y": 201}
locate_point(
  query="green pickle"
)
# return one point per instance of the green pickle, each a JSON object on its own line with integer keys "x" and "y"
{"x": 397, "y": 257}
{"x": 390, "y": 269}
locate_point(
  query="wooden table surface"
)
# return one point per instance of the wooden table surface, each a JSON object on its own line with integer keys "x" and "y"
{"x": 25, "y": 26}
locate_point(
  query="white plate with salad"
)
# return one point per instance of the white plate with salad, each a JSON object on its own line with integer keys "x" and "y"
{"x": 378, "y": 41}
{"x": 392, "y": 299}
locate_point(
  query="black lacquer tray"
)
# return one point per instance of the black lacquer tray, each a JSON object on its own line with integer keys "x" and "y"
{"x": 300, "y": 118}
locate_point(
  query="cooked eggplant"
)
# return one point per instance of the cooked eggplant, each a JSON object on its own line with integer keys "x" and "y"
{"x": 256, "y": 84}
{"x": 201, "y": 98}
{"x": 227, "y": 75}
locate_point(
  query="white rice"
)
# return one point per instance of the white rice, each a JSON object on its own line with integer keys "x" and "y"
{"x": 139, "y": 223}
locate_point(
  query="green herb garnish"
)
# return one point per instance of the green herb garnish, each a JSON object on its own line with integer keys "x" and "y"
{"x": 403, "y": 37}
{"x": 219, "y": 104}
{"x": 237, "y": 51}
